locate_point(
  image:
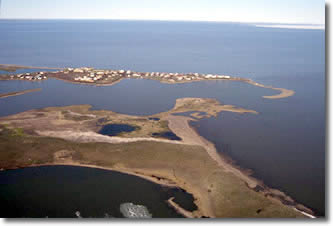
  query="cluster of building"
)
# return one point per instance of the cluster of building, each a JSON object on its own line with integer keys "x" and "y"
{"x": 30, "y": 76}
{"x": 91, "y": 75}
{"x": 86, "y": 74}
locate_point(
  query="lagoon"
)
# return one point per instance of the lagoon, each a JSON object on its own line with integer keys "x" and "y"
{"x": 284, "y": 145}
{"x": 276, "y": 144}
{"x": 61, "y": 191}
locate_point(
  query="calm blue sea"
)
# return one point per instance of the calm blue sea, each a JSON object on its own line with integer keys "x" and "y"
{"x": 284, "y": 145}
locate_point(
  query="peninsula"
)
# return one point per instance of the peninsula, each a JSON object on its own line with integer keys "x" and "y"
{"x": 162, "y": 148}
{"x": 88, "y": 75}
{"x": 72, "y": 136}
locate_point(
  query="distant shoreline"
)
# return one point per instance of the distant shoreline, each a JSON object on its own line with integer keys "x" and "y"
{"x": 165, "y": 20}
{"x": 105, "y": 77}
{"x": 14, "y": 67}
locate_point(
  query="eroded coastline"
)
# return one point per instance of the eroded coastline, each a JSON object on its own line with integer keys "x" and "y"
{"x": 79, "y": 124}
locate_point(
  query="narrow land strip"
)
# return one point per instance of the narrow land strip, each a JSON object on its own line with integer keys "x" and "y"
{"x": 14, "y": 67}
{"x": 179, "y": 209}
{"x": 4, "y": 95}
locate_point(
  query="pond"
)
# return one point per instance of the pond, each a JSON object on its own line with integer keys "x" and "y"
{"x": 116, "y": 129}
{"x": 168, "y": 135}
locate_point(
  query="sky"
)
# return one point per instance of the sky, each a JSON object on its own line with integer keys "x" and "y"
{"x": 265, "y": 11}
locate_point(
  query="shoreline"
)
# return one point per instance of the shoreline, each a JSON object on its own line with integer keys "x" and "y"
{"x": 181, "y": 127}
{"x": 163, "y": 182}
{"x": 252, "y": 182}
{"x": 67, "y": 77}
{"x": 192, "y": 137}
{"x": 284, "y": 92}
{"x": 14, "y": 67}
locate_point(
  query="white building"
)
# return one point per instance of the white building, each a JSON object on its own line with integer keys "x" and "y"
{"x": 78, "y": 70}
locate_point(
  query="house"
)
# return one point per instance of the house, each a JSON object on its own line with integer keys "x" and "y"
{"x": 78, "y": 70}
{"x": 223, "y": 76}
{"x": 87, "y": 68}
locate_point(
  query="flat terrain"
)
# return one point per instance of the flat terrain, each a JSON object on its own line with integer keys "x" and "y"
{"x": 68, "y": 136}
{"x": 14, "y": 67}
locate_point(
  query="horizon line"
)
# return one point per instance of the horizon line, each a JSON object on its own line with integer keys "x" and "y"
{"x": 165, "y": 20}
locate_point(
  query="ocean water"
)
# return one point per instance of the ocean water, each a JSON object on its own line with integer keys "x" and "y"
{"x": 284, "y": 145}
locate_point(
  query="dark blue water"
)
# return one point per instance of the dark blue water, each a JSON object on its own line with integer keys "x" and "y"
{"x": 154, "y": 119}
{"x": 60, "y": 191}
{"x": 284, "y": 144}
{"x": 167, "y": 135}
{"x": 130, "y": 96}
{"x": 115, "y": 129}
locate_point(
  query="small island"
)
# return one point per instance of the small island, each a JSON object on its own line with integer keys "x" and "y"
{"x": 99, "y": 77}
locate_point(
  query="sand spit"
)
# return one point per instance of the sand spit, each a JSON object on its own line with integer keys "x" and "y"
{"x": 19, "y": 93}
{"x": 179, "y": 209}
{"x": 284, "y": 92}
{"x": 180, "y": 126}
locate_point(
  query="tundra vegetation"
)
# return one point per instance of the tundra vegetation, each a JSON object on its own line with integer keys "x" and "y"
{"x": 69, "y": 136}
